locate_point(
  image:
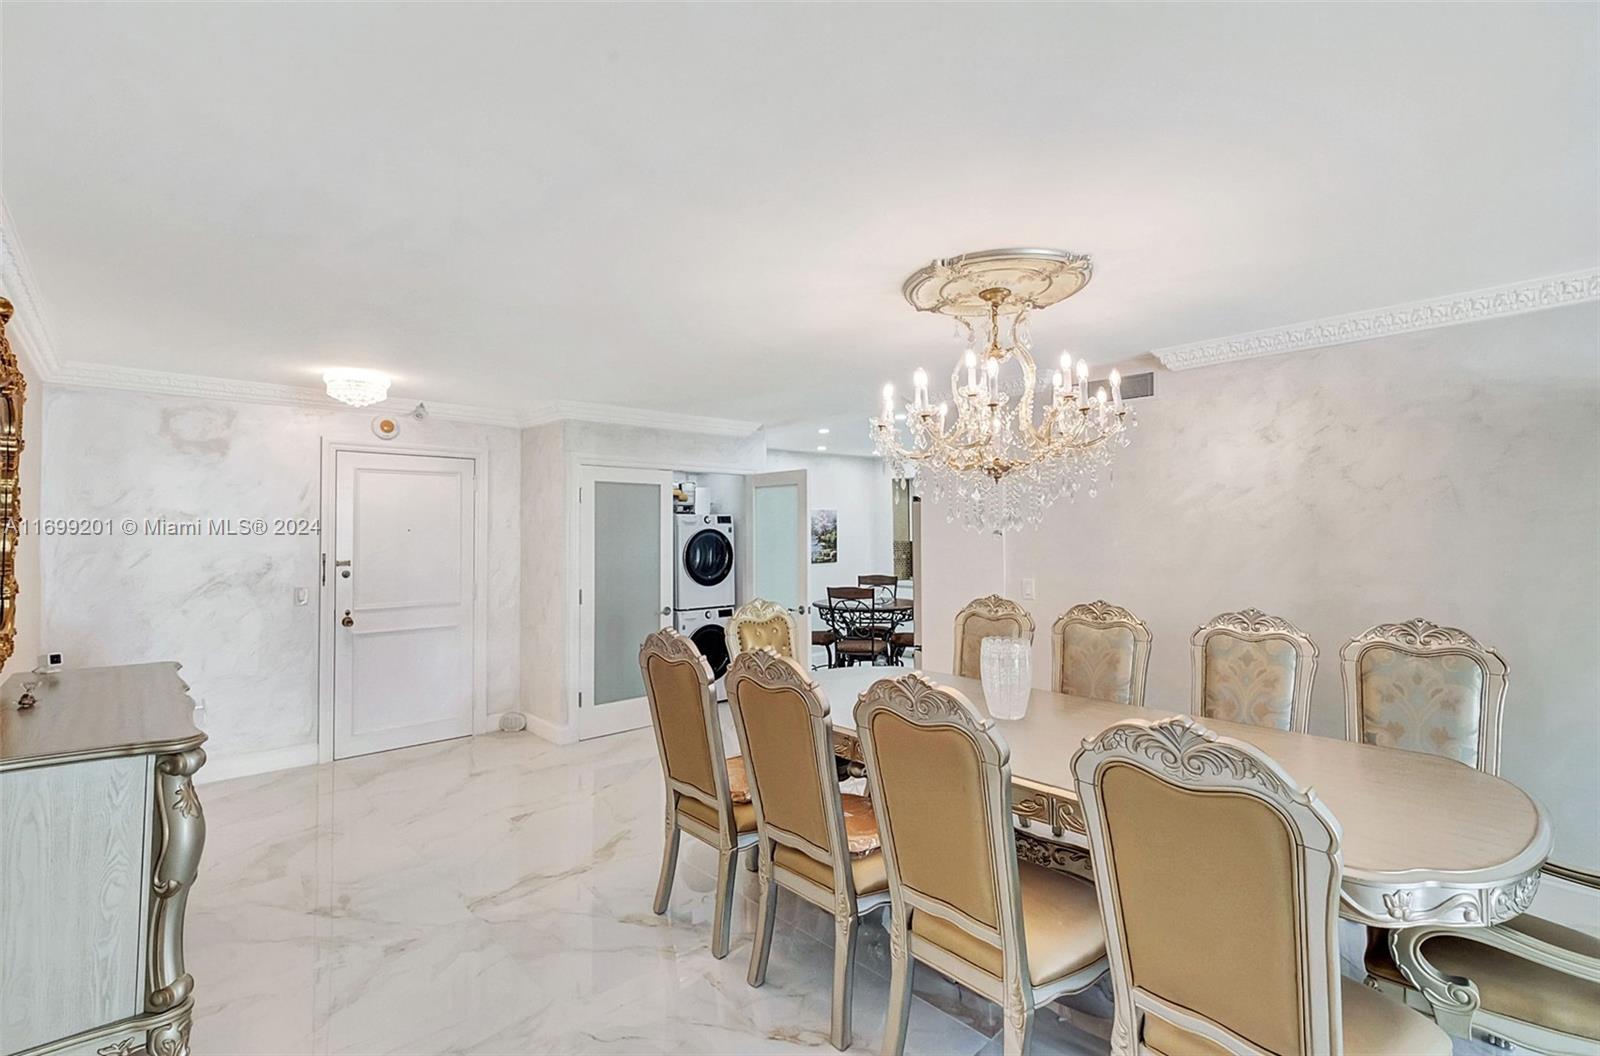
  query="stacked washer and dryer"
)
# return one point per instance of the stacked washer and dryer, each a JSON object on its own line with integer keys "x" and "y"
{"x": 703, "y": 593}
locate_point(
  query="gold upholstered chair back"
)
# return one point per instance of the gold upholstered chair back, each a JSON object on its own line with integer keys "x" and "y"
{"x": 762, "y": 624}
{"x": 1253, "y": 668}
{"x": 1425, "y": 688}
{"x": 940, "y": 778}
{"x": 984, "y": 618}
{"x": 1218, "y": 880}
{"x": 786, "y": 738}
{"x": 1101, "y": 651}
{"x": 683, "y": 712}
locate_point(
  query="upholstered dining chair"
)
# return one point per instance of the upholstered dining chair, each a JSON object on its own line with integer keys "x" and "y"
{"x": 985, "y": 618}
{"x": 1422, "y": 688}
{"x": 1219, "y": 880}
{"x": 762, "y": 624}
{"x": 1425, "y": 688}
{"x": 683, "y": 712}
{"x": 815, "y": 842}
{"x": 1529, "y": 981}
{"x": 960, "y": 901}
{"x": 1101, "y": 651}
{"x": 1253, "y": 668}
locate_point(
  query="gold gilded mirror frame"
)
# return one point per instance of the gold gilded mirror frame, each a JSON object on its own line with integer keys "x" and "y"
{"x": 13, "y": 391}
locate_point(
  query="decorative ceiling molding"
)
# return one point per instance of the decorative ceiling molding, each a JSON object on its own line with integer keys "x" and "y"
{"x": 1492, "y": 303}
{"x": 27, "y": 330}
{"x": 198, "y": 386}
{"x": 30, "y": 334}
{"x": 607, "y": 414}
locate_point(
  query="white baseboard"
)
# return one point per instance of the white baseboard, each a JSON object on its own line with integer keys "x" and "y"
{"x": 555, "y": 733}
{"x": 1564, "y": 902}
{"x": 221, "y": 767}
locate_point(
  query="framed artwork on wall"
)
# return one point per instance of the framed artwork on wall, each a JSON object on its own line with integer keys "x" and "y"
{"x": 824, "y": 537}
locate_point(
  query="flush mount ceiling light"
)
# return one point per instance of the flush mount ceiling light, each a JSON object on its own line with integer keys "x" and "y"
{"x": 1010, "y": 451}
{"x": 356, "y": 386}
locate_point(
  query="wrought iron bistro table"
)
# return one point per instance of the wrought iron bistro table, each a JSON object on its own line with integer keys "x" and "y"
{"x": 1427, "y": 840}
{"x": 854, "y": 616}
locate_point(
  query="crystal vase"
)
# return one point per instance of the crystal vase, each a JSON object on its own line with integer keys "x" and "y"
{"x": 1006, "y": 669}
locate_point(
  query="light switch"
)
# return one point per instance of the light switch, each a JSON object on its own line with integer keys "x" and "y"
{"x": 1027, "y": 590}
{"x": 301, "y": 595}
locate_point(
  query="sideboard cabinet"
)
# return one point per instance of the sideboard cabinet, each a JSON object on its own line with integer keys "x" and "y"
{"x": 100, "y": 839}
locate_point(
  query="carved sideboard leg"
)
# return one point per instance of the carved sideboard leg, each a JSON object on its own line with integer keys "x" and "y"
{"x": 170, "y": 1039}
{"x": 180, "y": 835}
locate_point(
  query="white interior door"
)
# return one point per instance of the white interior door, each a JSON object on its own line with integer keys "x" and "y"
{"x": 624, "y": 590}
{"x": 780, "y": 539}
{"x": 403, "y": 582}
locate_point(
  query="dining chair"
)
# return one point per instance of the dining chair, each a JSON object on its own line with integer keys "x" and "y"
{"x": 813, "y": 841}
{"x": 762, "y": 624}
{"x": 1252, "y": 668}
{"x": 1218, "y": 877}
{"x": 1425, "y": 688}
{"x": 1101, "y": 651}
{"x": 984, "y": 618}
{"x": 683, "y": 712}
{"x": 960, "y": 901}
{"x": 860, "y": 637}
{"x": 888, "y": 587}
{"x": 1530, "y": 982}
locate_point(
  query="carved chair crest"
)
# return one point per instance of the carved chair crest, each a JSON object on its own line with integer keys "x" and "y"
{"x": 1253, "y": 625}
{"x": 1423, "y": 638}
{"x": 1184, "y": 753}
{"x": 1103, "y": 615}
{"x": 758, "y": 612}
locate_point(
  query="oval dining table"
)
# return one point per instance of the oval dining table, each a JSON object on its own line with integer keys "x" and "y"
{"x": 1426, "y": 840}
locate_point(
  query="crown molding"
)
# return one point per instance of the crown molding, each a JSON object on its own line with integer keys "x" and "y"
{"x": 608, "y": 414}
{"x": 1475, "y": 306}
{"x": 29, "y": 333}
{"x": 198, "y": 386}
{"x": 31, "y": 337}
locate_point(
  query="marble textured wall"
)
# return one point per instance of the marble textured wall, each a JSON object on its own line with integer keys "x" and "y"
{"x": 544, "y": 578}
{"x": 1453, "y": 474}
{"x": 225, "y": 607}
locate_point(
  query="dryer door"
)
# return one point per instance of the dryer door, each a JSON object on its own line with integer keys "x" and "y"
{"x": 708, "y": 557}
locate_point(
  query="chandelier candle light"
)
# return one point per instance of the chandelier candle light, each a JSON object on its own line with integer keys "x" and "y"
{"x": 1011, "y": 451}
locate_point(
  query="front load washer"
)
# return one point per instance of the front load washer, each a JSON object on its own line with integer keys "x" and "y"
{"x": 708, "y": 630}
{"x": 704, "y": 578}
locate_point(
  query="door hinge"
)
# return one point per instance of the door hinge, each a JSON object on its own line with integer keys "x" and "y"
{"x": 580, "y": 595}
{"x": 580, "y": 698}
{"x": 323, "y": 575}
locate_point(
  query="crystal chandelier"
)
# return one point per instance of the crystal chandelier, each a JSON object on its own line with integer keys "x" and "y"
{"x": 1011, "y": 450}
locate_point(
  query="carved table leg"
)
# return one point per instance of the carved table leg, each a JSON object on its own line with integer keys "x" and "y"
{"x": 180, "y": 835}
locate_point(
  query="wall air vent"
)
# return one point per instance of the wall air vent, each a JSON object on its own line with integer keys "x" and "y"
{"x": 1134, "y": 386}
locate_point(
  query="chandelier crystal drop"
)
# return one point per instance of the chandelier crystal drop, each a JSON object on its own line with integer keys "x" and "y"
{"x": 998, "y": 452}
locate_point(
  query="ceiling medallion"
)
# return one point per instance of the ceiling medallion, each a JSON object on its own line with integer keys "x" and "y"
{"x": 1010, "y": 452}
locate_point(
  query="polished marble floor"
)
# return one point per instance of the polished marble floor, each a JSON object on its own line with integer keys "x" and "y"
{"x": 492, "y": 895}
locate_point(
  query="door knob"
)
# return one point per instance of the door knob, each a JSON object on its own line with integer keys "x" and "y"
{"x": 348, "y": 620}
{"x": 666, "y": 610}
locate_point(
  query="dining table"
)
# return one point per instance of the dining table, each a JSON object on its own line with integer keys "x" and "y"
{"x": 1425, "y": 839}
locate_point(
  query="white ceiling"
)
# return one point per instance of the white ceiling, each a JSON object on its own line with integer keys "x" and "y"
{"x": 711, "y": 208}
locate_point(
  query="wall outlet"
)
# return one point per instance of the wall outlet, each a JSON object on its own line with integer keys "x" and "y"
{"x": 1027, "y": 590}
{"x": 50, "y": 662}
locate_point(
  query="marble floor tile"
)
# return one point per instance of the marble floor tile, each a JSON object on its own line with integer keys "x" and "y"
{"x": 492, "y": 896}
